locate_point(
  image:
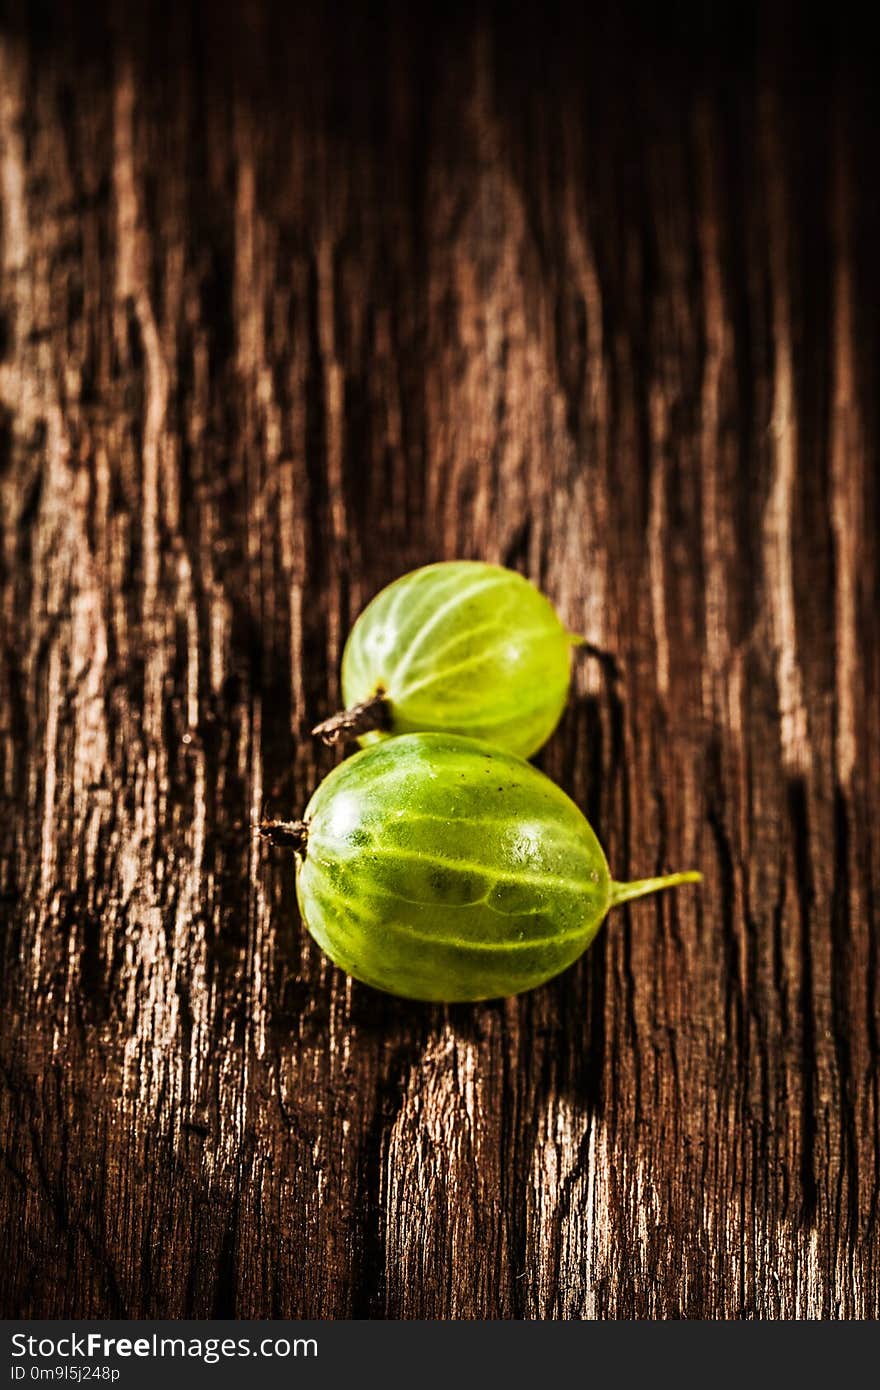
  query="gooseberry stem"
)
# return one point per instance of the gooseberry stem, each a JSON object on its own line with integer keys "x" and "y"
{"x": 371, "y": 714}
{"x": 286, "y": 834}
{"x": 605, "y": 658}
{"x": 640, "y": 888}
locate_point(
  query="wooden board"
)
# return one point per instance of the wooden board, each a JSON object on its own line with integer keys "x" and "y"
{"x": 291, "y": 304}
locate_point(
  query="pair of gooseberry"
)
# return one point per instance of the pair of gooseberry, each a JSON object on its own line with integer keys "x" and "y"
{"x": 437, "y": 863}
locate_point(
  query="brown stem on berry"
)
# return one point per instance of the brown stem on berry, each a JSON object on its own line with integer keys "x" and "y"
{"x": 371, "y": 714}
{"x": 285, "y": 834}
{"x": 612, "y": 665}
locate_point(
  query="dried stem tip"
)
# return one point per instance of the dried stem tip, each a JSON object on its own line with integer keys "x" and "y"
{"x": 374, "y": 713}
{"x": 286, "y": 834}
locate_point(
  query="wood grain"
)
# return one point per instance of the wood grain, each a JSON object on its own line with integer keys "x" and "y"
{"x": 292, "y": 302}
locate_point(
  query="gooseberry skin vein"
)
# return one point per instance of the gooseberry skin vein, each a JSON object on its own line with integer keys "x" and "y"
{"x": 440, "y": 868}
{"x": 460, "y": 647}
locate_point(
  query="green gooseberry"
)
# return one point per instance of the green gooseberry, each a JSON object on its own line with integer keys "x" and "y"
{"x": 460, "y": 647}
{"x": 441, "y": 868}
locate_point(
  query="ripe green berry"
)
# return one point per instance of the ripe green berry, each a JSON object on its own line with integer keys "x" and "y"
{"x": 460, "y": 647}
{"x": 440, "y": 868}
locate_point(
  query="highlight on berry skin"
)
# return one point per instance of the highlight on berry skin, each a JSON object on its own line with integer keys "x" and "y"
{"x": 457, "y": 647}
{"x": 441, "y": 868}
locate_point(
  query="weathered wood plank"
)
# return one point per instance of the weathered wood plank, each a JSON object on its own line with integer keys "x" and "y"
{"x": 596, "y": 302}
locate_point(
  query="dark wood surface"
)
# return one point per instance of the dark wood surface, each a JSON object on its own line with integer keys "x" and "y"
{"x": 289, "y": 306}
